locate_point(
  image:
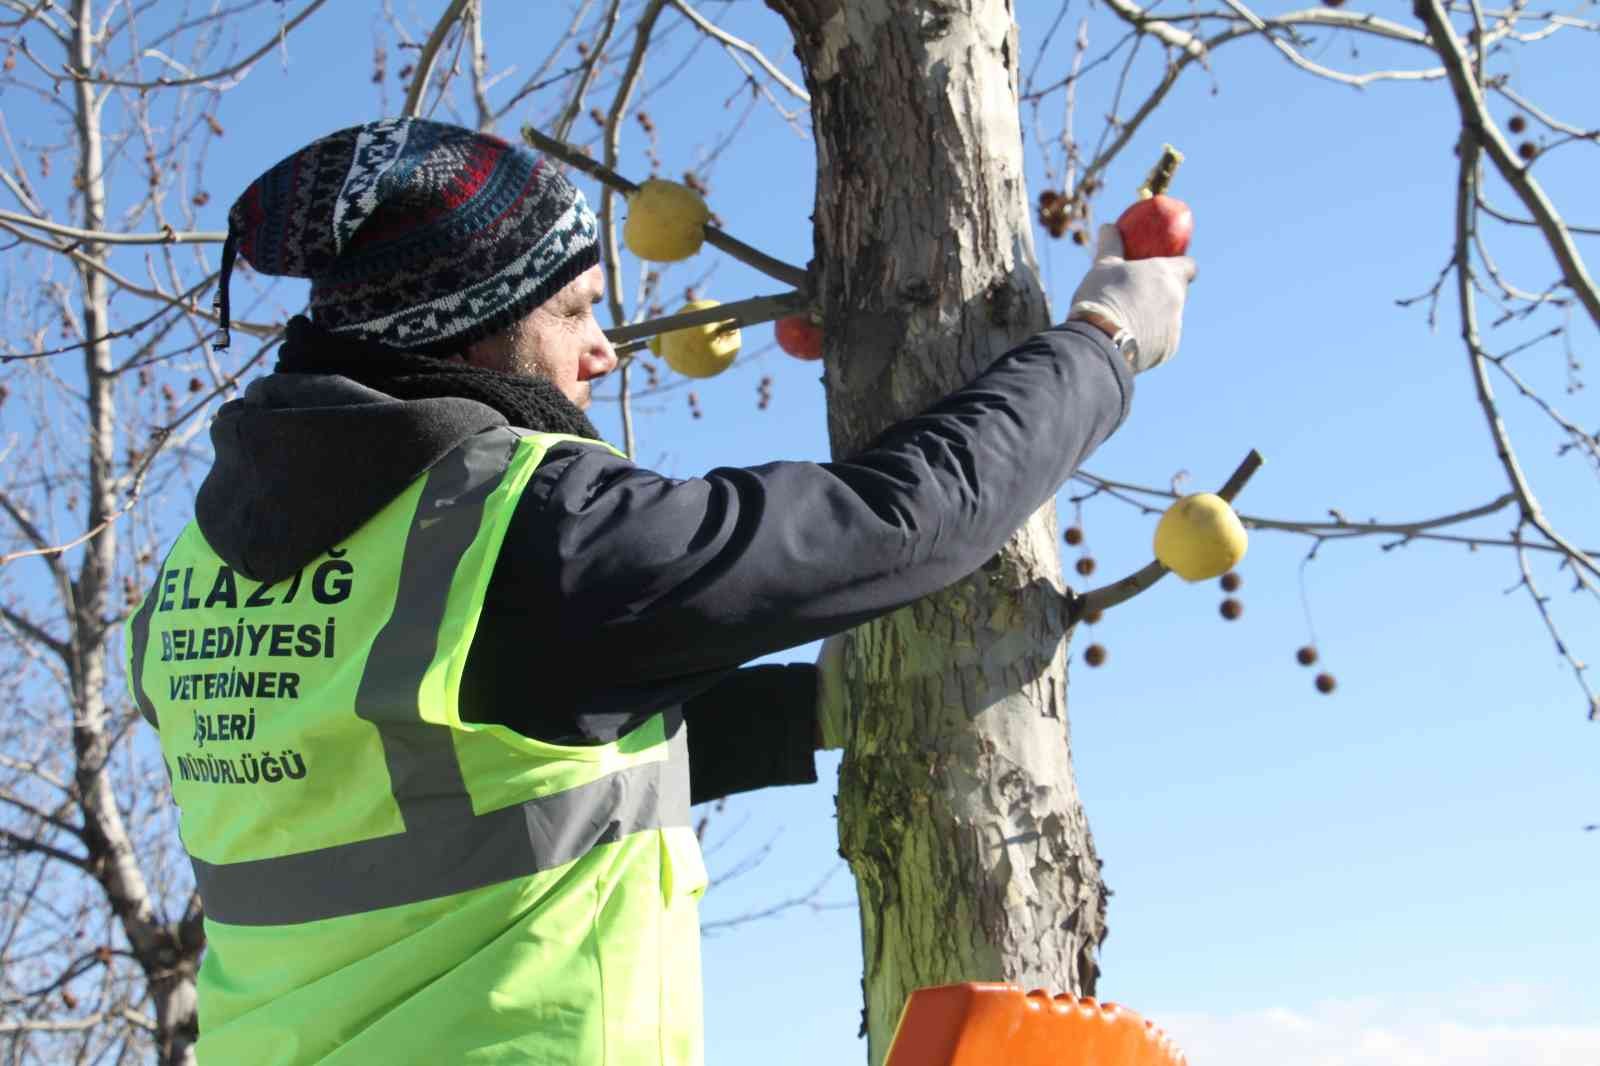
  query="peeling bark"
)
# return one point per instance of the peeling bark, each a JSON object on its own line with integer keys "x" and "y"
{"x": 958, "y": 811}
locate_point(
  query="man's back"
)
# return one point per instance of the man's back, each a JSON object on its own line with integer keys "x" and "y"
{"x": 383, "y": 881}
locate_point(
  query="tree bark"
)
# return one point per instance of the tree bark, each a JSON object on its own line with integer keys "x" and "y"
{"x": 168, "y": 960}
{"x": 958, "y": 811}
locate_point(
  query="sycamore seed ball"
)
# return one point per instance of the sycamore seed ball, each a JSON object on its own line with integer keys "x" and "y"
{"x": 699, "y": 351}
{"x": 1200, "y": 537}
{"x": 666, "y": 221}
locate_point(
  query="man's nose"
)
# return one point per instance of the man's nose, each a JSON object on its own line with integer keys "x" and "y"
{"x": 600, "y": 360}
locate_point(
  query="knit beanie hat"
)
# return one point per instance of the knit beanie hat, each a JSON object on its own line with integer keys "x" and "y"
{"x": 418, "y": 236}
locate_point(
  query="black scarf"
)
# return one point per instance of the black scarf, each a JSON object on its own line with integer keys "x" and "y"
{"x": 526, "y": 402}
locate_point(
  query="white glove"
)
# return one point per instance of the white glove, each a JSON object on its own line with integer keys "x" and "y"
{"x": 1143, "y": 296}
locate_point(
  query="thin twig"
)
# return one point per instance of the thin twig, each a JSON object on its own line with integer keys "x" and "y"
{"x": 199, "y": 79}
{"x": 1542, "y": 604}
{"x": 259, "y": 329}
{"x": 168, "y": 236}
{"x": 591, "y": 64}
{"x": 807, "y": 899}
{"x": 733, "y": 43}
{"x": 541, "y": 78}
{"x": 160, "y": 438}
{"x": 608, "y": 199}
{"x": 1340, "y": 528}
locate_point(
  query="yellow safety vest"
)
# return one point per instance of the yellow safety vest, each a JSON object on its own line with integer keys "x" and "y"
{"x": 383, "y": 882}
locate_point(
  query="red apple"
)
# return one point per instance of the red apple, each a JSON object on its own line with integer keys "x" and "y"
{"x": 799, "y": 336}
{"x": 1158, "y": 226}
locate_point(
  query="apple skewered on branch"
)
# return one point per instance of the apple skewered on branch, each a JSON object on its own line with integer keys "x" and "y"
{"x": 1157, "y": 224}
{"x": 668, "y": 222}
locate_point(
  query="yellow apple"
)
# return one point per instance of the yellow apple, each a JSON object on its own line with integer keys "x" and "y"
{"x": 699, "y": 351}
{"x": 1200, "y": 537}
{"x": 666, "y": 221}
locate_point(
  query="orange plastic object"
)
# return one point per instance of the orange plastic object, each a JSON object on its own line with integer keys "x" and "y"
{"x": 984, "y": 1024}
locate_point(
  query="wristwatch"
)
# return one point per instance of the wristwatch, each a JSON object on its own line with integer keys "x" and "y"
{"x": 1122, "y": 339}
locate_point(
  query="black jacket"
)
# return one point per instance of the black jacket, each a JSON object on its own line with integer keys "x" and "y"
{"x": 620, "y": 592}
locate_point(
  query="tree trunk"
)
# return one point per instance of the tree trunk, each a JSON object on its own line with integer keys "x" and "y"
{"x": 958, "y": 811}
{"x": 168, "y": 959}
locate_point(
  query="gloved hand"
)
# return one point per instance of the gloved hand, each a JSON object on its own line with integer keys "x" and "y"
{"x": 1144, "y": 296}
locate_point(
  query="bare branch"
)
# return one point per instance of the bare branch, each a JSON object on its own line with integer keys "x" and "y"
{"x": 169, "y": 236}
{"x": 593, "y": 57}
{"x": 14, "y": 842}
{"x": 608, "y": 197}
{"x": 259, "y": 329}
{"x": 1494, "y": 212}
{"x": 1542, "y": 603}
{"x": 541, "y": 77}
{"x": 1478, "y": 135}
{"x": 1340, "y": 528}
{"x": 41, "y": 543}
{"x": 127, "y": 331}
{"x": 33, "y": 770}
{"x": 735, "y": 44}
{"x": 200, "y": 79}
{"x": 43, "y": 12}
{"x": 160, "y": 438}
{"x": 1481, "y": 130}
{"x": 480, "y": 65}
{"x": 1529, "y": 107}
{"x": 34, "y": 632}
{"x": 7, "y": 796}
{"x": 428, "y": 56}
{"x": 772, "y": 267}
{"x": 1359, "y": 81}
{"x": 76, "y": 1025}
{"x": 1161, "y": 29}
{"x": 807, "y": 899}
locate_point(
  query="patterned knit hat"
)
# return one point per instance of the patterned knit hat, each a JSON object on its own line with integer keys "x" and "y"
{"x": 416, "y": 235}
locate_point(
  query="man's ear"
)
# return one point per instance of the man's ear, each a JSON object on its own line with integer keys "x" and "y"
{"x": 471, "y": 355}
{"x": 486, "y": 352}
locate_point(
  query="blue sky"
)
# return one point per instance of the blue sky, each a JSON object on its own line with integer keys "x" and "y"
{"x": 1394, "y": 873}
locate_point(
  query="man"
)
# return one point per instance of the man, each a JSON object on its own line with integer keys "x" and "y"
{"x": 437, "y": 674}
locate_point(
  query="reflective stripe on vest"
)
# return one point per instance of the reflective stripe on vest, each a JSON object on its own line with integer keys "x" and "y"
{"x": 448, "y": 856}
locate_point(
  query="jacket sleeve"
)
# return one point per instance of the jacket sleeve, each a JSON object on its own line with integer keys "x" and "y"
{"x": 661, "y": 578}
{"x": 757, "y": 727}
{"x": 620, "y": 592}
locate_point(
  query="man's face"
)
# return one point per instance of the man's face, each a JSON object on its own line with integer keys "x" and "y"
{"x": 560, "y": 340}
